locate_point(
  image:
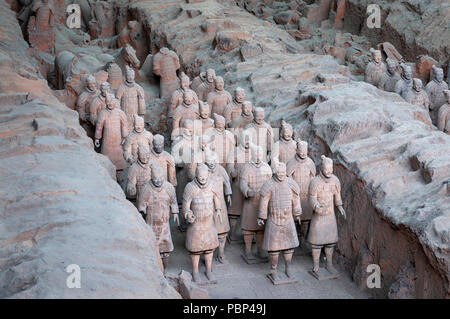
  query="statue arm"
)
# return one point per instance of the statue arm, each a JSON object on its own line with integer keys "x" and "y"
{"x": 124, "y": 125}
{"x": 337, "y": 193}
{"x": 141, "y": 102}
{"x": 143, "y": 202}
{"x": 243, "y": 184}
{"x": 296, "y": 206}
{"x": 93, "y": 112}
{"x": 171, "y": 174}
{"x": 226, "y": 183}
{"x": 156, "y": 64}
{"x": 131, "y": 182}
{"x": 173, "y": 200}
{"x": 312, "y": 196}
{"x": 99, "y": 127}
{"x": 187, "y": 200}
{"x": 263, "y": 206}
{"x": 127, "y": 150}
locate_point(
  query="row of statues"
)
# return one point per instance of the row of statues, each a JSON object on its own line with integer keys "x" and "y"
{"x": 434, "y": 97}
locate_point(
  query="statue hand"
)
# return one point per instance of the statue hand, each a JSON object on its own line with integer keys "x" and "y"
{"x": 250, "y": 193}
{"x": 131, "y": 190}
{"x": 176, "y": 219}
{"x": 97, "y": 143}
{"x": 129, "y": 159}
{"x": 190, "y": 217}
{"x": 229, "y": 200}
{"x": 219, "y": 216}
{"x": 260, "y": 222}
{"x": 299, "y": 219}
{"x": 342, "y": 211}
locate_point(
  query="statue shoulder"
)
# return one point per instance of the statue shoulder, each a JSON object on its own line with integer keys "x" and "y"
{"x": 266, "y": 188}
{"x": 293, "y": 185}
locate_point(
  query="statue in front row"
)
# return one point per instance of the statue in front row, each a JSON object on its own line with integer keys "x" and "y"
{"x": 279, "y": 208}
{"x": 157, "y": 203}
{"x": 324, "y": 194}
{"x": 200, "y": 204}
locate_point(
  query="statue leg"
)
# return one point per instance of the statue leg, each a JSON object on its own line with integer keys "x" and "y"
{"x": 273, "y": 256}
{"x": 233, "y": 223}
{"x": 329, "y": 254}
{"x": 287, "y": 254}
{"x": 208, "y": 263}
{"x": 165, "y": 261}
{"x": 222, "y": 241}
{"x": 303, "y": 232}
{"x": 316, "y": 255}
{"x": 248, "y": 238}
{"x": 195, "y": 259}
{"x": 259, "y": 241}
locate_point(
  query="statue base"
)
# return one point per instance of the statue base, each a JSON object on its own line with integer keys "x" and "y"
{"x": 324, "y": 274}
{"x": 204, "y": 281}
{"x": 257, "y": 260}
{"x": 282, "y": 279}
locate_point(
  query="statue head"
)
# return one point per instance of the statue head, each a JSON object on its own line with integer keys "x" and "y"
{"x": 204, "y": 109}
{"x": 247, "y": 108}
{"x": 391, "y": 65}
{"x": 326, "y": 167}
{"x": 184, "y": 81}
{"x": 257, "y": 154}
{"x": 188, "y": 97}
{"x": 417, "y": 85}
{"x": 376, "y": 55}
{"x": 219, "y": 122}
{"x": 129, "y": 75}
{"x": 105, "y": 88}
{"x": 406, "y": 71}
{"x": 211, "y": 159}
{"x": 280, "y": 171}
{"x": 259, "y": 115}
{"x": 91, "y": 82}
{"x": 143, "y": 154}
{"x": 438, "y": 73}
{"x": 218, "y": 83}
{"x": 210, "y": 75}
{"x": 188, "y": 127}
{"x": 286, "y": 131}
{"x": 109, "y": 100}
{"x": 139, "y": 124}
{"x": 202, "y": 173}
{"x": 157, "y": 176}
{"x": 158, "y": 143}
{"x": 239, "y": 95}
{"x": 302, "y": 149}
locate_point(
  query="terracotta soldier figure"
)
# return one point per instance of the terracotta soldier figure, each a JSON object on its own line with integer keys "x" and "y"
{"x": 279, "y": 207}
{"x": 200, "y": 204}
{"x": 435, "y": 90}
{"x": 198, "y": 80}
{"x": 235, "y": 161}
{"x": 112, "y": 129}
{"x": 188, "y": 110}
{"x": 84, "y": 102}
{"x": 219, "y": 98}
{"x": 375, "y": 68}
{"x": 223, "y": 139}
{"x": 261, "y": 132}
{"x": 219, "y": 178}
{"x": 177, "y": 95}
{"x": 302, "y": 169}
{"x": 253, "y": 175}
{"x": 390, "y": 77}
{"x": 139, "y": 173}
{"x": 158, "y": 202}
{"x": 286, "y": 147}
{"x": 41, "y": 33}
{"x": 234, "y": 108}
{"x": 131, "y": 97}
{"x": 417, "y": 95}
{"x": 246, "y": 117}
{"x": 139, "y": 136}
{"x": 166, "y": 64}
{"x": 99, "y": 103}
{"x": 115, "y": 77}
{"x": 206, "y": 86}
{"x": 324, "y": 194}
{"x": 405, "y": 83}
{"x": 443, "y": 122}
{"x": 204, "y": 123}
{"x": 164, "y": 159}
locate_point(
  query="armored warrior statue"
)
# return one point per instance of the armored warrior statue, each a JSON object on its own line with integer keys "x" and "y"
{"x": 83, "y": 104}
{"x": 324, "y": 194}
{"x": 223, "y": 140}
{"x": 206, "y": 86}
{"x": 139, "y": 173}
{"x": 99, "y": 103}
{"x": 177, "y": 95}
{"x": 166, "y": 64}
{"x": 112, "y": 129}
{"x": 157, "y": 202}
{"x": 246, "y": 117}
{"x": 188, "y": 110}
{"x": 435, "y": 90}
{"x": 389, "y": 78}
{"x": 234, "y": 108}
{"x": 139, "y": 136}
{"x": 219, "y": 178}
{"x": 417, "y": 95}
{"x": 200, "y": 203}
{"x": 279, "y": 207}
{"x": 252, "y": 177}
{"x": 115, "y": 77}
{"x": 131, "y": 97}
{"x": 443, "y": 122}
{"x": 286, "y": 147}
{"x": 235, "y": 161}
{"x": 219, "y": 98}
{"x": 405, "y": 83}
{"x": 164, "y": 159}
{"x": 204, "y": 123}
{"x": 261, "y": 132}
{"x": 375, "y": 69}
{"x": 302, "y": 169}
{"x": 198, "y": 80}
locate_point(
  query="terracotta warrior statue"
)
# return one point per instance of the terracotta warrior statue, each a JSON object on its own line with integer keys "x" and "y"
{"x": 375, "y": 68}
{"x": 204, "y": 123}
{"x": 164, "y": 159}
{"x": 417, "y": 95}
{"x": 435, "y": 90}
{"x": 188, "y": 110}
{"x": 285, "y": 148}
{"x": 405, "y": 83}
{"x": 278, "y": 209}
{"x": 139, "y": 136}
{"x": 302, "y": 169}
{"x": 201, "y": 205}
{"x": 158, "y": 203}
{"x": 219, "y": 98}
{"x": 166, "y": 64}
{"x": 261, "y": 132}
{"x": 98, "y": 103}
{"x": 223, "y": 139}
{"x": 84, "y": 102}
{"x": 235, "y": 162}
{"x": 131, "y": 97}
{"x": 111, "y": 128}
{"x": 390, "y": 77}
{"x": 324, "y": 194}
{"x": 139, "y": 173}
{"x": 443, "y": 122}
{"x": 246, "y": 117}
{"x": 219, "y": 178}
{"x": 206, "y": 86}
{"x": 41, "y": 25}
{"x": 177, "y": 95}
{"x": 198, "y": 80}
{"x": 252, "y": 177}
{"x": 234, "y": 108}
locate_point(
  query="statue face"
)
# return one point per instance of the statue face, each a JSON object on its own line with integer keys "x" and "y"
{"x": 188, "y": 99}
{"x": 391, "y": 67}
{"x": 302, "y": 151}
{"x": 407, "y": 73}
{"x": 211, "y": 163}
{"x": 246, "y": 108}
{"x": 92, "y": 85}
{"x": 439, "y": 75}
{"x": 239, "y": 96}
{"x": 281, "y": 174}
{"x": 210, "y": 75}
{"x": 259, "y": 117}
{"x": 139, "y": 126}
{"x": 287, "y": 134}
{"x": 104, "y": 89}
{"x": 144, "y": 156}
{"x": 220, "y": 126}
{"x": 130, "y": 77}
{"x": 377, "y": 56}
{"x": 202, "y": 176}
{"x": 188, "y": 129}
{"x": 109, "y": 102}
{"x": 204, "y": 112}
{"x": 417, "y": 85}
{"x": 158, "y": 146}
{"x": 327, "y": 169}
{"x": 219, "y": 85}
{"x": 157, "y": 178}
{"x": 185, "y": 82}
